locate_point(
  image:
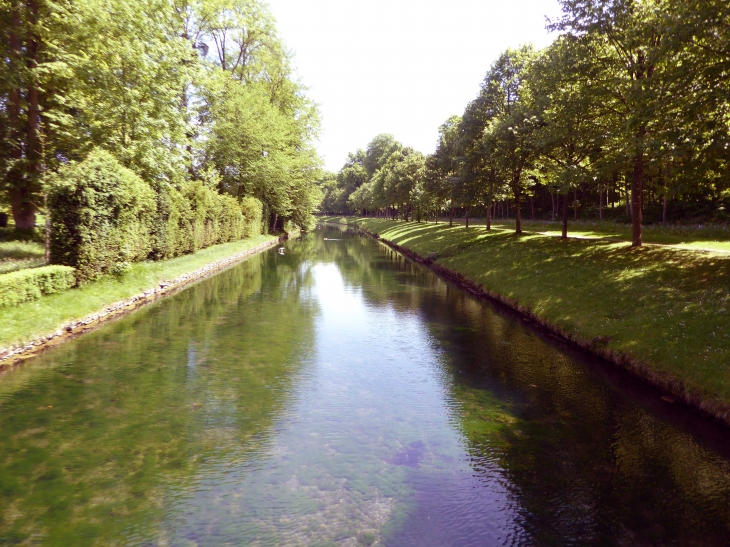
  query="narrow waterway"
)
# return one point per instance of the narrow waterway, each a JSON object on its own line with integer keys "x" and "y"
{"x": 337, "y": 394}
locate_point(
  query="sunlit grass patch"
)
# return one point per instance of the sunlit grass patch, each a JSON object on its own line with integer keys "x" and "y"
{"x": 19, "y": 255}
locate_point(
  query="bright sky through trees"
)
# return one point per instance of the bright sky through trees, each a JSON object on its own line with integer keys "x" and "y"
{"x": 400, "y": 66}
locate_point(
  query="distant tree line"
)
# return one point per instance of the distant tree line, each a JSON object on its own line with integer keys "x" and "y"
{"x": 176, "y": 90}
{"x": 627, "y": 113}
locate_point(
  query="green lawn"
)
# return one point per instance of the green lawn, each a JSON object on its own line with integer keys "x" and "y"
{"x": 27, "y": 321}
{"x": 19, "y": 255}
{"x": 710, "y": 237}
{"x": 666, "y": 306}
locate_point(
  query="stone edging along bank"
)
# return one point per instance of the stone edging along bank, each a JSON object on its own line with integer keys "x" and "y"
{"x": 664, "y": 382}
{"x": 15, "y": 354}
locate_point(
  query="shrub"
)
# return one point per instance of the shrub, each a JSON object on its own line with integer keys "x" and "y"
{"x": 101, "y": 215}
{"x": 172, "y": 233}
{"x": 26, "y": 285}
{"x": 252, "y": 210}
{"x": 197, "y": 216}
{"x": 104, "y": 217}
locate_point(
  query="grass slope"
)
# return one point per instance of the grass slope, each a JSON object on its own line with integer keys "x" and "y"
{"x": 32, "y": 319}
{"x": 666, "y": 306}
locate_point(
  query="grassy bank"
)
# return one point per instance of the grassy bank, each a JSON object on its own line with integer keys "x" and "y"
{"x": 32, "y": 319}
{"x": 665, "y": 306}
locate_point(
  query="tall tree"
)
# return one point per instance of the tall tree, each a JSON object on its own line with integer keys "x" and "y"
{"x": 626, "y": 36}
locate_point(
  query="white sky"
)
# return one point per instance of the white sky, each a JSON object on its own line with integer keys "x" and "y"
{"x": 399, "y": 66}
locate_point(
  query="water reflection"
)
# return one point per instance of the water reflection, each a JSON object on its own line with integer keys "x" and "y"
{"x": 339, "y": 395}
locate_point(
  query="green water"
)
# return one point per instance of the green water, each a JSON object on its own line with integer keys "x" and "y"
{"x": 339, "y": 395}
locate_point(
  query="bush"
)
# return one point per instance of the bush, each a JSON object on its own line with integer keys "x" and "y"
{"x": 104, "y": 217}
{"x": 252, "y": 210}
{"x": 213, "y": 218}
{"x": 26, "y": 285}
{"x": 101, "y": 215}
{"x": 197, "y": 216}
{"x": 172, "y": 234}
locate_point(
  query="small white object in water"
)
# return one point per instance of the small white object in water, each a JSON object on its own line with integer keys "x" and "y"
{"x": 281, "y": 250}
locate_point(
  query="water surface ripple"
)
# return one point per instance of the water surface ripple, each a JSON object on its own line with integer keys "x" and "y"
{"x": 340, "y": 395}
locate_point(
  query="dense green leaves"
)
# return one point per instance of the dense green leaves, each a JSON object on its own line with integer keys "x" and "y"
{"x": 171, "y": 89}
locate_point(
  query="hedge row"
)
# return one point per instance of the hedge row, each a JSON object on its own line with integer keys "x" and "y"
{"x": 26, "y": 285}
{"x": 197, "y": 216}
{"x": 104, "y": 217}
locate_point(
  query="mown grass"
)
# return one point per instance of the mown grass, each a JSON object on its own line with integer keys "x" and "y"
{"x": 19, "y": 255}
{"x": 711, "y": 237}
{"x": 32, "y": 319}
{"x": 666, "y": 306}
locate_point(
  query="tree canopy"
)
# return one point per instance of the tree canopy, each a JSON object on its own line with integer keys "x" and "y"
{"x": 630, "y": 105}
{"x": 171, "y": 88}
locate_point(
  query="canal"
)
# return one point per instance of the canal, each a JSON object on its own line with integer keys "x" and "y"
{"x": 337, "y": 394}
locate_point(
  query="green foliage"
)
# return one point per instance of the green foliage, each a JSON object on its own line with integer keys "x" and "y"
{"x": 627, "y": 110}
{"x": 104, "y": 217}
{"x": 252, "y": 210}
{"x": 171, "y": 230}
{"x": 101, "y": 214}
{"x": 213, "y": 217}
{"x": 31, "y": 284}
{"x": 150, "y": 81}
{"x": 264, "y": 151}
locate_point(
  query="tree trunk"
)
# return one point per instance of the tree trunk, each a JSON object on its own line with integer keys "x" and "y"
{"x": 532, "y": 207}
{"x": 628, "y": 201}
{"x": 466, "y": 215}
{"x": 47, "y": 239}
{"x": 552, "y": 201}
{"x": 614, "y": 184}
{"x": 451, "y": 216}
{"x": 575, "y": 203}
{"x": 18, "y": 193}
{"x": 600, "y": 204}
{"x": 22, "y": 207}
{"x": 666, "y": 191}
{"x": 273, "y": 224}
{"x": 566, "y": 204}
{"x": 518, "y": 213}
{"x": 637, "y": 199}
{"x": 489, "y": 216}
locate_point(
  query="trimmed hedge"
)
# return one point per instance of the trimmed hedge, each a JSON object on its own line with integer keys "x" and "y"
{"x": 104, "y": 217}
{"x": 197, "y": 216}
{"x": 26, "y": 285}
{"x": 101, "y": 214}
{"x": 252, "y": 210}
